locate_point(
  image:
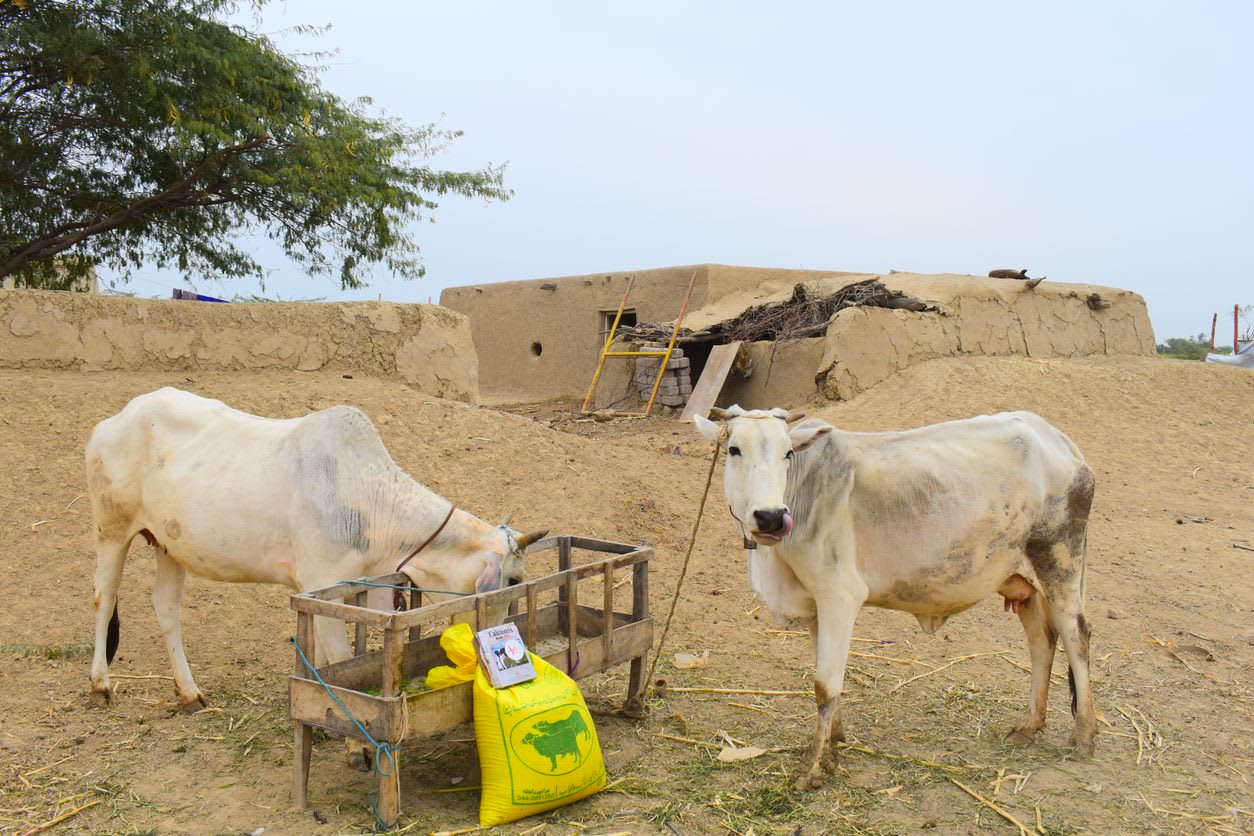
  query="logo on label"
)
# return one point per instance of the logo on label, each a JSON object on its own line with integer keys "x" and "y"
{"x": 554, "y": 741}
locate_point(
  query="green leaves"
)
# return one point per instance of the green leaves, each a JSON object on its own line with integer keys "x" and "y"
{"x": 150, "y": 131}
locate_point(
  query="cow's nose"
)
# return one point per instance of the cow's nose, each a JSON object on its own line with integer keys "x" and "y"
{"x": 770, "y": 520}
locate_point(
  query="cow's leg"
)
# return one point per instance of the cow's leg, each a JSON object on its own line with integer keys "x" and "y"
{"x": 833, "y": 633}
{"x": 838, "y": 722}
{"x": 1073, "y": 629}
{"x": 167, "y": 593}
{"x": 332, "y": 645}
{"x": 1042, "y": 640}
{"x": 1062, "y": 585}
{"x": 332, "y": 642}
{"x": 110, "y": 557}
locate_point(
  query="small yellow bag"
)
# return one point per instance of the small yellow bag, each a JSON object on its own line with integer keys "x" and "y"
{"x": 458, "y": 644}
{"x": 537, "y": 744}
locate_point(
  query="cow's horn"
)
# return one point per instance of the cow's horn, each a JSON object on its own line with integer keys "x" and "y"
{"x": 530, "y": 537}
{"x": 505, "y": 522}
{"x": 795, "y": 416}
{"x": 720, "y": 414}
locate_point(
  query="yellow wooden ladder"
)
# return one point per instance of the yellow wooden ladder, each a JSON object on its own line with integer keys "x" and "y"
{"x": 664, "y": 355}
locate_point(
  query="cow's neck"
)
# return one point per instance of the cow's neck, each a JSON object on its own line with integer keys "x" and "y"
{"x": 414, "y": 518}
{"x": 818, "y": 481}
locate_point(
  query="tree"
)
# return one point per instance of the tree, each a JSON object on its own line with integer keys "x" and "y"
{"x": 1185, "y": 348}
{"x": 152, "y": 131}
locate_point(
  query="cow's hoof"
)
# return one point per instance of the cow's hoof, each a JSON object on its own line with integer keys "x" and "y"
{"x": 830, "y": 764}
{"x": 102, "y": 696}
{"x": 1084, "y": 748}
{"x": 1021, "y": 735}
{"x": 812, "y": 780}
{"x": 359, "y": 759}
{"x": 192, "y": 705}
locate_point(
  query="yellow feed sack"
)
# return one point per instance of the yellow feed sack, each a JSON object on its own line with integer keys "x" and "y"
{"x": 537, "y": 745}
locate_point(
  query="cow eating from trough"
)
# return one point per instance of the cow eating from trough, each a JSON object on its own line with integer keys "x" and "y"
{"x": 927, "y": 521}
{"x": 303, "y": 502}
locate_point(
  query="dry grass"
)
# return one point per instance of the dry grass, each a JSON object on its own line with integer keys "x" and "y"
{"x": 228, "y": 770}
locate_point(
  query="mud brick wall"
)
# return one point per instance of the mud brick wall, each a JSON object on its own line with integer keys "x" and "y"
{"x": 426, "y": 346}
{"x": 676, "y": 383}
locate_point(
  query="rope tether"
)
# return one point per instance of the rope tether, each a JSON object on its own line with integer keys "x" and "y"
{"x": 692, "y": 541}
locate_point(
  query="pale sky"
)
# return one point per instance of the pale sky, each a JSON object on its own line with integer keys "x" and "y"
{"x": 1094, "y": 142}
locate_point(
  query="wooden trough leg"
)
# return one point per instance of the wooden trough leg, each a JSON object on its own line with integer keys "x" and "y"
{"x": 389, "y": 785}
{"x": 304, "y": 748}
{"x": 636, "y": 686}
{"x": 304, "y": 732}
{"x": 389, "y": 794}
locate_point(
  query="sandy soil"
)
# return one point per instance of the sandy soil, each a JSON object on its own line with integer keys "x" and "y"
{"x": 1170, "y": 598}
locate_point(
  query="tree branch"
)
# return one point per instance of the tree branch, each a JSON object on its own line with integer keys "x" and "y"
{"x": 174, "y": 196}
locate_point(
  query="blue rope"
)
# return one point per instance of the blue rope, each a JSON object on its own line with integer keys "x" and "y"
{"x": 382, "y": 750}
{"x": 402, "y": 588}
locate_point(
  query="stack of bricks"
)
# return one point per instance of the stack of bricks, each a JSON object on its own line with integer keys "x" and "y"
{"x": 676, "y": 383}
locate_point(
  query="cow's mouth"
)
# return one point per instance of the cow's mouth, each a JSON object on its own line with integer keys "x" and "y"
{"x": 775, "y": 535}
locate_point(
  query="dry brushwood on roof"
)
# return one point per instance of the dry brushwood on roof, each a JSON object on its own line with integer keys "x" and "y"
{"x": 805, "y": 314}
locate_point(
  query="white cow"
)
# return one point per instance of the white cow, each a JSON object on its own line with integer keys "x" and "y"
{"x": 303, "y": 502}
{"x": 927, "y": 521}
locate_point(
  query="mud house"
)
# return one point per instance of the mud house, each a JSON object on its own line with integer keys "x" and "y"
{"x": 541, "y": 338}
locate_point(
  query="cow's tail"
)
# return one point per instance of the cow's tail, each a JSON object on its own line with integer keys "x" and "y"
{"x": 114, "y": 635}
{"x": 1075, "y": 703}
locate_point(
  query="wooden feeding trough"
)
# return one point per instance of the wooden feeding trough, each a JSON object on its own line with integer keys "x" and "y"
{"x": 574, "y": 637}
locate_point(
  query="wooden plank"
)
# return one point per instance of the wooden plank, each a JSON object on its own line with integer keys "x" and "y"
{"x": 572, "y": 623}
{"x": 309, "y": 703}
{"x": 640, "y": 591}
{"x": 636, "y": 685}
{"x": 532, "y": 605}
{"x": 589, "y": 620}
{"x": 344, "y": 612}
{"x": 415, "y": 603}
{"x": 592, "y": 544}
{"x": 563, "y": 592}
{"x": 705, "y": 393}
{"x": 359, "y": 632}
{"x": 305, "y": 637}
{"x": 544, "y": 545}
{"x": 393, "y": 662}
{"x": 433, "y": 712}
{"x": 435, "y": 612}
{"x": 607, "y": 609}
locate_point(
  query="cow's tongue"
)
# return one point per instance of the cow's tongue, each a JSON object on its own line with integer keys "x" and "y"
{"x": 787, "y": 524}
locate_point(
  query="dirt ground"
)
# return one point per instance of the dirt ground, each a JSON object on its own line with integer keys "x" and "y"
{"x": 1170, "y": 598}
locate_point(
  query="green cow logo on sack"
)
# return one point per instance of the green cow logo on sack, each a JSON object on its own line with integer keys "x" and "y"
{"x": 554, "y": 741}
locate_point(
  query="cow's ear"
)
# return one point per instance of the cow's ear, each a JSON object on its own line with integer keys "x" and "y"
{"x": 706, "y": 427}
{"x": 804, "y": 436}
{"x": 492, "y": 577}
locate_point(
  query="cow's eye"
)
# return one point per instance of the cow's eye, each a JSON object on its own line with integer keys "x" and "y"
{"x": 733, "y": 451}
{"x": 788, "y": 455}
